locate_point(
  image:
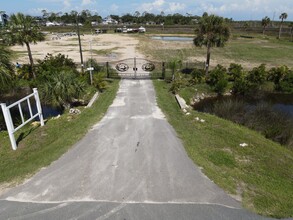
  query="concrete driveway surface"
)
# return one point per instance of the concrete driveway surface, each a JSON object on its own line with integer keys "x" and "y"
{"x": 130, "y": 165}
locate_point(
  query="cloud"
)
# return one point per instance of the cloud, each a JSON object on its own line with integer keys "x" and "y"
{"x": 153, "y": 6}
{"x": 87, "y": 2}
{"x": 162, "y": 5}
{"x": 114, "y": 8}
{"x": 248, "y": 7}
{"x": 175, "y": 7}
{"x": 66, "y": 3}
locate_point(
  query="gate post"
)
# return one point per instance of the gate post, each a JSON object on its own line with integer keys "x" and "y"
{"x": 9, "y": 125}
{"x": 135, "y": 67}
{"x": 39, "y": 107}
{"x": 163, "y": 70}
{"x": 107, "y": 67}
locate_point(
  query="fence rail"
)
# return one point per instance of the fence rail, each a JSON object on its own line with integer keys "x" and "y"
{"x": 8, "y": 119}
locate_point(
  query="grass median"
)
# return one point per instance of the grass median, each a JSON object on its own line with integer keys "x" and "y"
{"x": 260, "y": 174}
{"x": 41, "y": 146}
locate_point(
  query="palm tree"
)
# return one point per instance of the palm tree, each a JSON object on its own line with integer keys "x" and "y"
{"x": 6, "y": 68}
{"x": 212, "y": 32}
{"x": 283, "y": 17}
{"x": 24, "y": 31}
{"x": 265, "y": 22}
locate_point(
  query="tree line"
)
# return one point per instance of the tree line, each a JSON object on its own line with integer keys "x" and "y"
{"x": 86, "y": 17}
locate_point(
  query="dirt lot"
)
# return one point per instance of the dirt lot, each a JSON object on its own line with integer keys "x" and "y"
{"x": 104, "y": 47}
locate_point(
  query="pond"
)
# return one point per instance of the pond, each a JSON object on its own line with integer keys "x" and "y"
{"x": 281, "y": 102}
{"x": 48, "y": 111}
{"x": 172, "y": 38}
{"x": 269, "y": 114}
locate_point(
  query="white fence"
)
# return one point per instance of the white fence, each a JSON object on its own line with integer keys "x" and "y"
{"x": 8, "y": 119}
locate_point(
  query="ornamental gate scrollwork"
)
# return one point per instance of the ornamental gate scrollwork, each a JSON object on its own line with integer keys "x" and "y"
{"x": 136, "y": 67}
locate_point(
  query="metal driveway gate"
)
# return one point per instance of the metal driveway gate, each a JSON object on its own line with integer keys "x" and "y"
{"x": 137, "y": 68}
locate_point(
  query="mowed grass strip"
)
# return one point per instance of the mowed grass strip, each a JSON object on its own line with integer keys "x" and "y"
{"x": 42, "y": 145}
{"x": 260, "y": 174}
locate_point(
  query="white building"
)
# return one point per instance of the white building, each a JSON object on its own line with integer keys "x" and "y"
{"x": 109, "y": 20}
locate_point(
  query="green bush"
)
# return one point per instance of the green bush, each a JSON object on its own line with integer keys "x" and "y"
{"x": 256, "y": 77}
{"x": 197, "y": 76}
{"x": 99, "y": 81}
{"x": 55, "y": 63}
{"x": 61, "y": 88}
{"x": 286, "y": 85}
{"x": 178, "y": 83}
{"x": 235, "y": 71}
{"x": 277, "y": 75}
{"x": 218, "y": 79}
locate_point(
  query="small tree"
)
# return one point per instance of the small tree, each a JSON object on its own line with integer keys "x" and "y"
{"x": 211, "y": 32}
{"x": 265, "y": 22}
{"x": 283, "y": 17}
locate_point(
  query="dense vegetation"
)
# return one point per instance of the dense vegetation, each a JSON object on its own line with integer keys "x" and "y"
{"x": 240, "y": 83}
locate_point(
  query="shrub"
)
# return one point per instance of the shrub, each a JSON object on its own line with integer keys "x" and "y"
{"x": 61, "y": 88}
{"x": 55, "y": 63}
{"x": 197, "y": 76}
{"x": 286, "y": 85}
{"x": 235, "y": 71}
{"x": 99, "y": 81}
{"x": 178, "y": 83}
{"x": 218, "y": 79}
{"x": 277, "y": 75}
{"x": 256, "y": 77}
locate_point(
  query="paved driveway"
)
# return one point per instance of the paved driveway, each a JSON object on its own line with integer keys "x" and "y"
{"x": 130, "y": 165}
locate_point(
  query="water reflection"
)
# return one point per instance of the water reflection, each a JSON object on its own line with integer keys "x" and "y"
{"x": 172, "y": 38}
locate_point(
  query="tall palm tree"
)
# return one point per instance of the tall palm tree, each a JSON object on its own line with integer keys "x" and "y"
{"x": 283, "y": 17}
{"x": 211, "y": 32}
{"x": 265, "y": 22}
{"x": 24, "y": 31}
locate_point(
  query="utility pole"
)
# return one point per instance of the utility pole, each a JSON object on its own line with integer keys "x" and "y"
{"x": 79, "y": 42}
{"x": 91, "y": 67}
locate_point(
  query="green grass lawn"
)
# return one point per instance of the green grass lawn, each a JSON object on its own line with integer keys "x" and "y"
{"x": 248, "y": 52}
{"x": 261, "y": 174}
{"x": 42, "y": 145}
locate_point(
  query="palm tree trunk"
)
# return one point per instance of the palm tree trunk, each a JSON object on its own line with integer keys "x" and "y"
{"x": 280, "y": 30}
{"x": 208, "y": 58}
{"x": 30, "y": 59}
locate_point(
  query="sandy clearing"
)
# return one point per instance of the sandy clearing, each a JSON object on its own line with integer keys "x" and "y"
{"x": 105, "y": 47}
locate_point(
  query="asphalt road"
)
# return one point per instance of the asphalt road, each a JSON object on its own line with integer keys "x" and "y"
{"x": 130, "y": 165}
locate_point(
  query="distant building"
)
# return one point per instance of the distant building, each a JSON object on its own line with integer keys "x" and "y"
{"x": 3, "y": 19}
{"x": 54, "y": 23}
{"x": 109, "y": 20}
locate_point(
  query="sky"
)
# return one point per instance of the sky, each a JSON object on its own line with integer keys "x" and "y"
{"x": 235, "y": 9}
